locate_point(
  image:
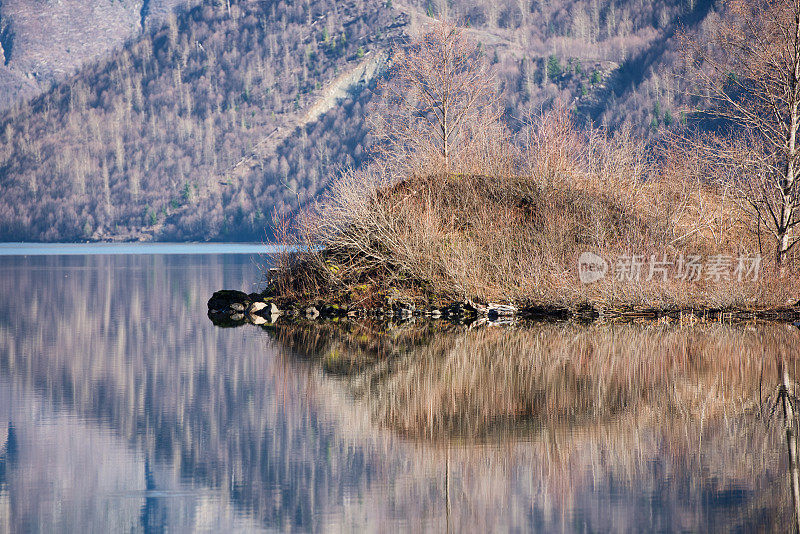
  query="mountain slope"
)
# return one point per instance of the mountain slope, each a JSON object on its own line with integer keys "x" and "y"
{"x": 141, "y": 144}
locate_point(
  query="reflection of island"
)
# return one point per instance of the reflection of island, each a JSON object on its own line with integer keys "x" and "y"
{"x": 603, "y": 406}
{"x": 311, "y": 428}
{"x": 438, "y": 381}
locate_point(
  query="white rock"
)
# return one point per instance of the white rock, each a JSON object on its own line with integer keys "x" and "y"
{"x": 256, "y": 319}
{"x": 256, "y": 306}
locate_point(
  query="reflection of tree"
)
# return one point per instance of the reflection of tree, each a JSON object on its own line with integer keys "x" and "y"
{"x": 154, "y": 516}
{"x": 469, "y": 383}
{"x": 787, "y": 399}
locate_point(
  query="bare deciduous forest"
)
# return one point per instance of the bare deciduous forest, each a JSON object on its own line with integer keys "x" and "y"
{"x": 198, "y": 129}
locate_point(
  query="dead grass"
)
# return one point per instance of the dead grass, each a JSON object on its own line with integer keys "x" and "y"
{"x": 514, "y": 234}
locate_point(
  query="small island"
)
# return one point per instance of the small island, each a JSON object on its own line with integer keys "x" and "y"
{"x": 457, "y": 216}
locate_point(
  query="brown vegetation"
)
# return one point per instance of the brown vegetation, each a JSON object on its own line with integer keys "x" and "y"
{"x": 495, "y": 217}
{"x": 517, "y": 236}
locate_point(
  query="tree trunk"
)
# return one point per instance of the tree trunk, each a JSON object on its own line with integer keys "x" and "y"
{"x": 446, "y": 139}
{"x": 787, "y": 187}
{"x": 783, "y": 247}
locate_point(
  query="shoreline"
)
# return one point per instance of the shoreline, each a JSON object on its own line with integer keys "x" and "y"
{"x": 232, "y": 307}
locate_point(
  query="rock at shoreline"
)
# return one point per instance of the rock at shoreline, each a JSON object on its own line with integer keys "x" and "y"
{"x": 224, "y": 299}
{"x": 256, "y": 307}
{"x": 232, "y": 308}
{"x": 501, "y": 310}
{"x": 256, "y": 319}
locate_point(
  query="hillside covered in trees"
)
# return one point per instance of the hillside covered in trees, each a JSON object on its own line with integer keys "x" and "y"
{"x": 199, "y": 128}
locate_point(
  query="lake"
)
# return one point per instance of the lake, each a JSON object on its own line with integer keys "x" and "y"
{"x": 123, "y": 408}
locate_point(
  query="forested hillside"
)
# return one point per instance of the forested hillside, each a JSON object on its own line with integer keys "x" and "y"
{"x": 199, "y": 128}
{"x": 615, "y": 60}
{"x": 142, "y": 143}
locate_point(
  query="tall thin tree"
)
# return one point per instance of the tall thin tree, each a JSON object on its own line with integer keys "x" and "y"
{"x": 750, "y": 70}
{"x": 439, "y": 89}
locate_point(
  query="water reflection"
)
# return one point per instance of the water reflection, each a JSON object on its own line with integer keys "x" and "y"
{"x": 123, "y": 408}
{"x": 443, "y": 381}
{"x": 610, "y": 426}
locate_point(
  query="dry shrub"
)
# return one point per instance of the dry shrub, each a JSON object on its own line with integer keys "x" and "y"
{"x": 297, "y": 268}
{"x": 552, "y": 150}
{"x": 512, "y": 225}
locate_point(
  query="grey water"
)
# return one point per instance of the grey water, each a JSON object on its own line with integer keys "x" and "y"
{"x": 124, "y": 409}
{"x": 81, "y": 249}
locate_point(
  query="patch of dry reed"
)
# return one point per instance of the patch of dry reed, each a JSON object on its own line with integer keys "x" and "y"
{"x": 498, "y": 232}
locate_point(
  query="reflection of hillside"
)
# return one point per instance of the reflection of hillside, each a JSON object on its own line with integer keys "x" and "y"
{"x": 124, "y": 341}
{"x": 315, "y": 441}
{"x": 99, "y": 483}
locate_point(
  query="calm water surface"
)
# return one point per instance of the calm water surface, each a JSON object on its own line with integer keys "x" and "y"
{"x": 123, "y": 408}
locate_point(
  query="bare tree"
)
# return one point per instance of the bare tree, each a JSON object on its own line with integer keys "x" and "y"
{"x": 750, "y": 70}
{"x": 440, "y": 91}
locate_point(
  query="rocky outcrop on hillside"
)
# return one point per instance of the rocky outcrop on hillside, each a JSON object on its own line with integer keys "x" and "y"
{"x": 44, "y": 42}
